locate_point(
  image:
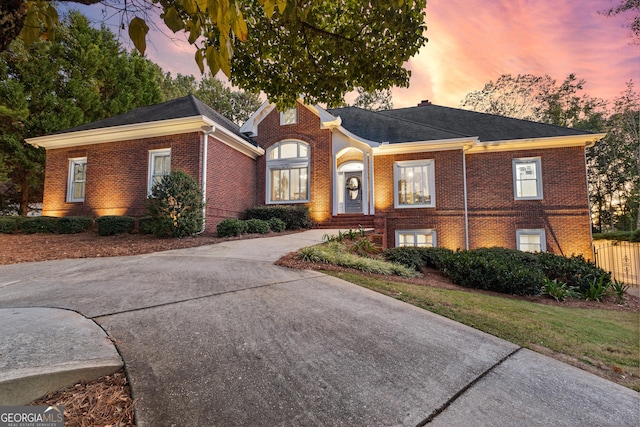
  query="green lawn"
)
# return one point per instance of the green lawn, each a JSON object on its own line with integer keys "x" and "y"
{"x": 608, "y": 340}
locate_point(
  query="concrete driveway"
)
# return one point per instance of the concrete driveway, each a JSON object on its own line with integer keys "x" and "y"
{"x": 218, "y": 335}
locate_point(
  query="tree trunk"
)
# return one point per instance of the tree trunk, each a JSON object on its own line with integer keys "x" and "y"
{"x": 24, "y": 197}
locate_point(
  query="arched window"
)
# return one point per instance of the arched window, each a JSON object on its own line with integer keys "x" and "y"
{"x": 287, "y": 172}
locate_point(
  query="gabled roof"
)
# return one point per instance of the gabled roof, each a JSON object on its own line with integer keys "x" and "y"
{"x": 433, "y": 122}
{"x": 187, "y": 106}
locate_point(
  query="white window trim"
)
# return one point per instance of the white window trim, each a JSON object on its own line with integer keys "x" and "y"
{"x": 295, "y": 117}
{"x": 70, "y": 180}
{"x": 152, "y": 155}
{"x": 431, "y": 231}
{"x": 430, "y": 176}
{"x": 538, "y": 164}
{"x": 532, "y": 231}
{"x": 289, "y": 163}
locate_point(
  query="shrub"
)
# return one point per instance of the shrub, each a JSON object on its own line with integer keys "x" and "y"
{"x": 231, "y": 227}
{"x": 175, "y": 206}
{"x": 277, "y": 225}
{"x": 559, "y": 290}
{"x": 144, "y": 225}
{"x": 294, "y": 216}
{"x": 494, "y": 271}
{"x": 8, "y": 224}
{"x": 417, "y": 258}
{"x": 575, "y": 271}
{"x": 598, "y": 288}
{"x": 74, "y": 224}
{"x": 257, "y": 226}
{"x": 38, "y": 224}
{"x": 111, "y": 224}
{"x": 630, "y": 236}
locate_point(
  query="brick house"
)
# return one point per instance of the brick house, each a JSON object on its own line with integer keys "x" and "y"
{"x": 426, "y": 175}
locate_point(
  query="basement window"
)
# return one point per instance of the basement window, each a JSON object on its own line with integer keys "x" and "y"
{"x": 77, "y": 179}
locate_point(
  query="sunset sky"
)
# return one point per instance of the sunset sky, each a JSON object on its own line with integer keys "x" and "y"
{"x": 474, "y": 41}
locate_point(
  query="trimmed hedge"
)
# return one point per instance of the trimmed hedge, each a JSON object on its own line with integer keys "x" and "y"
{"x": 74, "y": 224}
{"x": 277, "y": 225}
{"x": 257, "y": 226}
{"x": 111, "y": 224}
{"x": 8, "y": 224}
{"x": 38, "y": 224}
{"x": 629, "y": 236}
{"x": 144, "y": 225}
{"x": 294, "y": 216}
{"x": 501, "y": 270}
{"x": 231, "y": 227}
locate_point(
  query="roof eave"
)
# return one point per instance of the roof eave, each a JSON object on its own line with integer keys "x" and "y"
{"x": 425, "y": 146}
{"x": 585, "y": 140}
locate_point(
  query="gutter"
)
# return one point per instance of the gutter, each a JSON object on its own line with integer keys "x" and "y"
{"x": 206, "y": 131}
{"x": 466, "y": 209}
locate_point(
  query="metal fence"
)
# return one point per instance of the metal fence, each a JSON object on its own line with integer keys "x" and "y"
{"x": 622, "y": 259}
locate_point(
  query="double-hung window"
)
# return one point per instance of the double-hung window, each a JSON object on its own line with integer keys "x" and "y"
{"x": 77, "y": 179}
{"x": 159, "y": 166}
{"x": 288, "y": 172}
{"x": 532, "y": 240}
{"x": 414, "y": 184}
{"x": 418, "y": 238}
{"x": 527, "y": 179}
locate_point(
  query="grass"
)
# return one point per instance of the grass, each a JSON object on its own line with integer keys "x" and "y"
{"x": 605, "y": 339}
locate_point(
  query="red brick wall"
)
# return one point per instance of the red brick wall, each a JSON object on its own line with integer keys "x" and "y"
{"x": 231, "y": 183}
{"x": 495, "y": 215}
{"x": 447, "y": 217}
{"x": 307, "y": 129}
{"x": 116, "y": 181}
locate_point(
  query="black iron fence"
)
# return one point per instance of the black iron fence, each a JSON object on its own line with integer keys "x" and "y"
{"x": 622, "y": 259}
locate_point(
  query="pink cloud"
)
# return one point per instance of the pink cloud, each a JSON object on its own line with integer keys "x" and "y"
{"x": 472, "y": 42}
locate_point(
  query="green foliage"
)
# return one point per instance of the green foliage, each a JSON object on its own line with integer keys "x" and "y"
{"x": 81, "y": 76}
{"x": 324, "y": 49}
{"x": 144, "y": 225}
{"x": 336, "y": 253}
{"x": 363, "y": 247}
{"x": 619, "y": 288}
{"x": 418, "y": 258}
{"x": 110, "y": 225}
{"x": 575, "y": 271}
{"x": 621, "y": 236}
{"x": 38, "y": 224}
{"x": 294, "y": 216}
{"x": 74, "y": 224}
{"x": 277, "y": 225}
{"x": 255, "y": 225}
{"x": 175, "y": 206}
{"x": 503, "y": 270}
{"x": 559, "y": 290}
{"x": 597, "y": 289}
{"x": 231, "y": 227}
{"x": 8, "y": 224}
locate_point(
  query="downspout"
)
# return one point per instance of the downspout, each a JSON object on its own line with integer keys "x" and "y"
{"x": 464, "y": 187}
{"x": 206, "y": 131}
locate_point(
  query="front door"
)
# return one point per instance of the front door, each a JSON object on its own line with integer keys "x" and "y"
{"x": 353, "y": 192}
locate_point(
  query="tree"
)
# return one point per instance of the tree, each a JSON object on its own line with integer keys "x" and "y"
{"x": 236, "y": 105}
{"x": 624, "y": 7}
{"x": 317, "y": 49}
{"x": 375, "y": 101}
{"x": 81, "y": 76}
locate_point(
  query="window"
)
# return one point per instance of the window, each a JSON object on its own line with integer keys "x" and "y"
{"x": 77, "y": 179}
{"x": 531, "y": 240}
{"x": 420, "y": 238}
{"x": 527, "y": 179}
{"x": 287, "y": 172}
{"x": 289, "y": 117}
{"x": 159, "y": 166}
{"x": 415, "y": 184}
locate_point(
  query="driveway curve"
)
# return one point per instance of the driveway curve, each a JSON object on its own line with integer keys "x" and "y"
{"x": 219, "y": 336}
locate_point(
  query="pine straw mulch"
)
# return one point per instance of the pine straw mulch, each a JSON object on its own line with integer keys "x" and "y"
{"x": 105, "y": 402}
